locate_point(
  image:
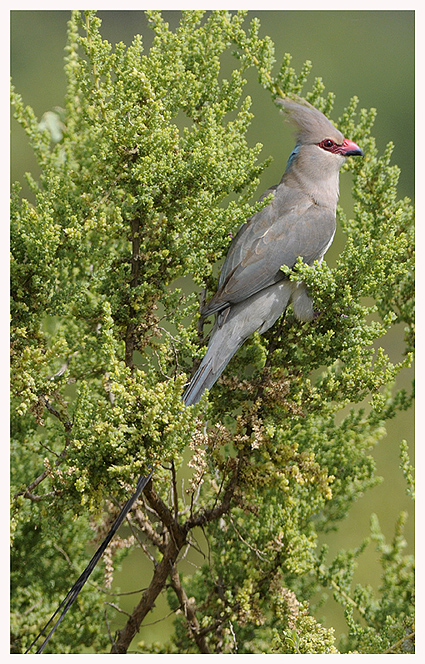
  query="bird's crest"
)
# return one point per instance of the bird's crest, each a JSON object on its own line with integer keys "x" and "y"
{"x": 310, "y": 124}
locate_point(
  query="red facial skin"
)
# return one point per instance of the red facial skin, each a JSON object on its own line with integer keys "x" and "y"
{"x": 347, "y": 147}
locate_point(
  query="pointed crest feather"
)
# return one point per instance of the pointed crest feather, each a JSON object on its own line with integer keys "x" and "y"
{"x": 311, "y": 125}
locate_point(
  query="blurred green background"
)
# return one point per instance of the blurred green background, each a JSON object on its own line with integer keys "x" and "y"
{"x": 369, "y": 54}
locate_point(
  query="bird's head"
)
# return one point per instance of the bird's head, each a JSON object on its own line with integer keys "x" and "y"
{"x": 313, "y": 128}
{"x": 319, "y": 154}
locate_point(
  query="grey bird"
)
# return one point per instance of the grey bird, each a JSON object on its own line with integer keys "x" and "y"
{"x": 253, "y": 292}
{"x": 300, "y": 221}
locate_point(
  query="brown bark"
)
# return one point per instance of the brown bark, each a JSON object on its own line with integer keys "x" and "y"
{"x": 189, "y": 612}
{"x": 162, "y": 570}
{"x": 175, "y": 540}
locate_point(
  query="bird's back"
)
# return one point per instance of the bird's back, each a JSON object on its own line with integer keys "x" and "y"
{"x": 292, "y": 225}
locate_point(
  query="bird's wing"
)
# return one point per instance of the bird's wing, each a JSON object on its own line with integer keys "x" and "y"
{"x": 292, "y": 225}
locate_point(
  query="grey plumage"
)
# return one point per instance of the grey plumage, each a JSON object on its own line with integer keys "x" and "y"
{"x": 253, "y": 292}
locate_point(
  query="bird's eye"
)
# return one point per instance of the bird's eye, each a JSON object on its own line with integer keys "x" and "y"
{"x": 328, "y": 143}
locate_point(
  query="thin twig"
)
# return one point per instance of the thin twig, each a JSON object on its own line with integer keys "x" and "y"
{"x": 105, "y": 613}
{"x": 400, "y": 642}
{"x": 253, "y": 548}
{"x": 155, "y": 622}
{"x": 218, "y": 510}
{"x": 150, "y": 532}
{"x": 35, "y": 498}
{"x": 141, "y": 544}
{"x": 108, "y": 591}
{"x": 27, "y": 493}
{"x": 66, "y": 423}
{"x": 117, "y": 608}
{"x": 64, "y": 553}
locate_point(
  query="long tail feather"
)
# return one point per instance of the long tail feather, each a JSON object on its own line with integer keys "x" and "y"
{"x": 203, "y": 379}
{"x": 220, "y": 351}
{"x": 70, "y": 598}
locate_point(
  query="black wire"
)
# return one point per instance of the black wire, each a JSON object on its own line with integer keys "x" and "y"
{"x": 70, "y": 598}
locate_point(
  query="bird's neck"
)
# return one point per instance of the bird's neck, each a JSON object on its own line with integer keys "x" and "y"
{"x": 315, "y": 174}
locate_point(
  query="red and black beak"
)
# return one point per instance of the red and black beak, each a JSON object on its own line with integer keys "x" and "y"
{"x": 351, "y": 149}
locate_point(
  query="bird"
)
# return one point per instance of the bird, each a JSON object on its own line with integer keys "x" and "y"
{"x": 299, "y": 222}
{"x": 253, "y": 291}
